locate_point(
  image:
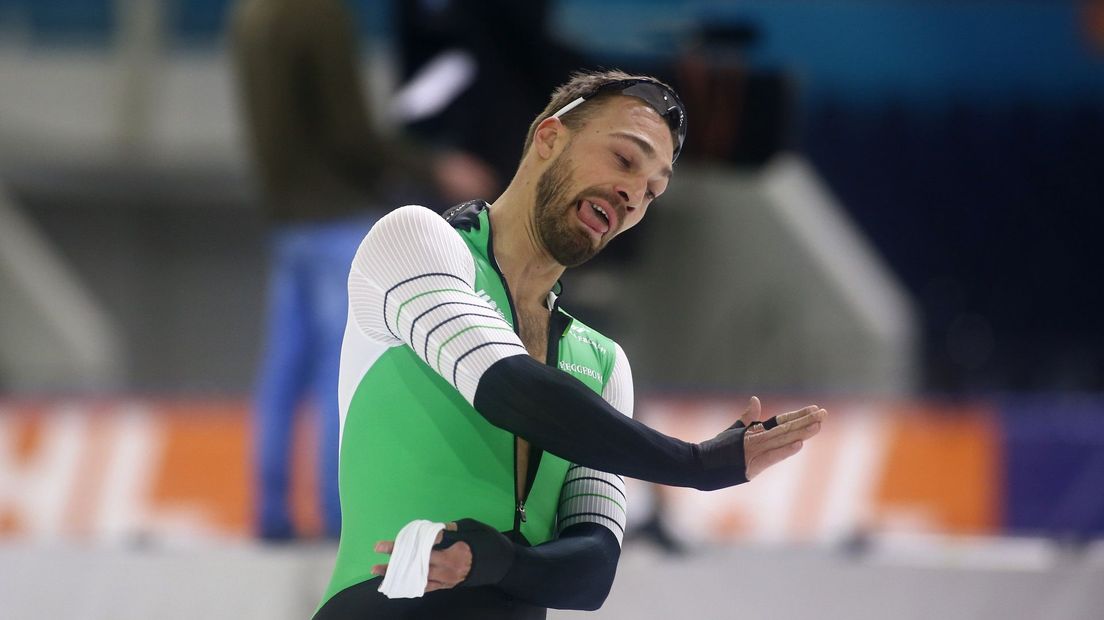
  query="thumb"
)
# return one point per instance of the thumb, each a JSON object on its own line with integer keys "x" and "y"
{"x": 753, "y": 411}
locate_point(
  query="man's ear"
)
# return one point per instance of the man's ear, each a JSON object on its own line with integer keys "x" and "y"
{"x": 551, "y": 132}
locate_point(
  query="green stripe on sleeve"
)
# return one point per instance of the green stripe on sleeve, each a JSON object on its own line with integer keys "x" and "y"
{"x": 437, "y": 364}
{"x": 398, "y": 313}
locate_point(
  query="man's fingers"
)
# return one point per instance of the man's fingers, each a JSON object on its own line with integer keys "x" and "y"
{"x": 753, "y": 411}
{"x": 772, "y": 443}
{"x": 790, "y": 416}
{"x": 443, "y": 569}
{"x": 815, "y": 416}
{"x": 758, "y": 463}
{"x": 800, "y": 429}
{"x": 765, "y": 448}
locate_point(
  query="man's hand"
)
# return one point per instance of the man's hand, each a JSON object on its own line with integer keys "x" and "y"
{"x": 787, "y": 432}
{"x": 447, "y": 567}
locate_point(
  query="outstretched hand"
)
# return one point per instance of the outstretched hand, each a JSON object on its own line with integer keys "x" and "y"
{"x": 786, "y": 434}
{"x": 447, "y": 567}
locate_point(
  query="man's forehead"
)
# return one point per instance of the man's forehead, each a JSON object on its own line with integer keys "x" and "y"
{"x": 631, "y": 118}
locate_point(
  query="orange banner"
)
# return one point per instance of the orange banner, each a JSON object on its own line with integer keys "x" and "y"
{"x": 124, "y": 470}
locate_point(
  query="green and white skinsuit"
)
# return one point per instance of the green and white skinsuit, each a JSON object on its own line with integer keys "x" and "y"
{"x": 429, "y": 312}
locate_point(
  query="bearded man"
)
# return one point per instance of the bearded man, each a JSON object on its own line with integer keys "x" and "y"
{"x": 481, "y": 422}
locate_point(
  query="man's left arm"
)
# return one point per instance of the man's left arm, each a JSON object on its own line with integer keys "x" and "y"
{"x": 576, "y": 570}
{"x": 573, "y": 571}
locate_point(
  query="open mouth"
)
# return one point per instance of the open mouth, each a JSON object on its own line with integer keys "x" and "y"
{"x": 597, "y": 217}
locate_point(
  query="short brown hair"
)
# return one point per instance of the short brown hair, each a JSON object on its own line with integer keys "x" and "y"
{"x": 581, "y": 83}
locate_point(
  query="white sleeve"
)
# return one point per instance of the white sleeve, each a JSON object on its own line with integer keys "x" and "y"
{"x": 412, "y": 282}
{"x": 589, "y": 495}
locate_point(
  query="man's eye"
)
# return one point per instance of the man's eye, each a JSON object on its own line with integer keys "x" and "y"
{"x": 624, "y": 161}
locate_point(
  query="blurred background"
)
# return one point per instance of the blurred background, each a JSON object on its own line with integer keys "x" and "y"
{"x": 888, "y": 207}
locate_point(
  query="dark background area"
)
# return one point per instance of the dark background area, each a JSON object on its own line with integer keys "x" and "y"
{"x": 965, "y": 139}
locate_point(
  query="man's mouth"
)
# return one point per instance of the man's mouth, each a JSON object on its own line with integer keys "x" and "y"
{"x": 598, "y": 217}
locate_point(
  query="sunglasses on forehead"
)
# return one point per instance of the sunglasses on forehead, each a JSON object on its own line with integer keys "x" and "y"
{"x": 662, "y": 99}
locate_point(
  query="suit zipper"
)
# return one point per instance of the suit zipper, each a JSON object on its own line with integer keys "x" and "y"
{"x": 557, "y": 323}
{"x": 519, "y": 500}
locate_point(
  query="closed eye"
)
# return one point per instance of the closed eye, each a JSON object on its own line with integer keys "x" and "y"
{"x": 625, "y": 162}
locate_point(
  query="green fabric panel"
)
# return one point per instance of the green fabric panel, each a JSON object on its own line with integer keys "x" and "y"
{"x": 413, "y": 448}
{"x": 587, "y": 355}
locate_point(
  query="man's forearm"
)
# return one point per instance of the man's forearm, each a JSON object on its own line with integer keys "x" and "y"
{"x": 574, "y": 571}
{"x": 558, "y": 413}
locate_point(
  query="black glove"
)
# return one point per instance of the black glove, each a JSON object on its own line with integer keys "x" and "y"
{"x": 492, "y": 553}
{"x": 723, "y": 456}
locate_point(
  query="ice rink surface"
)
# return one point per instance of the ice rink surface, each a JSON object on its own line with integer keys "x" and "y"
{"x": 1010, "y": 579}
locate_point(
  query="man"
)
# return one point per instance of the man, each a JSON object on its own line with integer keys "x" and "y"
{"x": 467, "y": 393}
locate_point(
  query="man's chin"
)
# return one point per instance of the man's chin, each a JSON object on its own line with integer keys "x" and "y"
{"x": 575, "y": 256}
{"x": 565, "y": 242}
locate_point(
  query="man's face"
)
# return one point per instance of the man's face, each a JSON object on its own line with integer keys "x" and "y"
{"x": 602, "y": 182}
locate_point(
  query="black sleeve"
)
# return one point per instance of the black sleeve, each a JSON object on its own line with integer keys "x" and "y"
{"x": 555, "y": 411}
{"x": 574, "y": 571}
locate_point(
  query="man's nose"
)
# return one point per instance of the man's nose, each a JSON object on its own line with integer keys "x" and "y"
{"x": 632, "y": 196}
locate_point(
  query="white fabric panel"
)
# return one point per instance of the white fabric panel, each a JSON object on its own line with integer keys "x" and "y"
{"x": 619, "y": 389}
{"x": 358, "y": 353}
{"x": 412, "y": 282}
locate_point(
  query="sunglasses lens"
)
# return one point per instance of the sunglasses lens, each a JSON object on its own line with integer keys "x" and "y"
{"x": 664, "y": 101}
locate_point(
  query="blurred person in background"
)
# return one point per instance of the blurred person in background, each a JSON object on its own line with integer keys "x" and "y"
{"x": 467, "y": 391}
{"x": 467, "y": 49}
{"x": 324, "y": 171}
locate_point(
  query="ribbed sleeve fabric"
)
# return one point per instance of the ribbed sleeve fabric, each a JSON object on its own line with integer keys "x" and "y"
{"x": 619, "y": 389}
{"x": 592, "y": 496}
{"x": 412, "y": 282}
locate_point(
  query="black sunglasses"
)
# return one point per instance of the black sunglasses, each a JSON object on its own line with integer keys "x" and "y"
{"x": 662, "y": 99}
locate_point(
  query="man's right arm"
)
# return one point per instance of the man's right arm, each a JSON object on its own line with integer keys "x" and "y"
{"x": 412, "y": 283}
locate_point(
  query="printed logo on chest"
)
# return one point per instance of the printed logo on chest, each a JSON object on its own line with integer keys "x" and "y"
{"x": 579, "y": 369}
{"x": 580, "y": 334}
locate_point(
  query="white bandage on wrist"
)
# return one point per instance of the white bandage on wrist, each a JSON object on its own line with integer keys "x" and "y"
{"x": 408, "y": 571}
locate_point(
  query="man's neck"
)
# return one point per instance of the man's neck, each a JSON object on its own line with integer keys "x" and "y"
{"x": 526, "y": 265}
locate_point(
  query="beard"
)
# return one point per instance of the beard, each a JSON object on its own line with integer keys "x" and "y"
{"x": 565, "y": 242}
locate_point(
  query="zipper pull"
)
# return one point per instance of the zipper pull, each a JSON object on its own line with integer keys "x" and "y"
{"x": 521, "y": 511}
